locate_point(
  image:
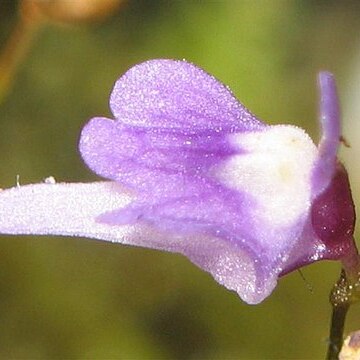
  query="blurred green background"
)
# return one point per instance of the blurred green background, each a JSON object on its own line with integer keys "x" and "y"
{"x": 77, "y": 298}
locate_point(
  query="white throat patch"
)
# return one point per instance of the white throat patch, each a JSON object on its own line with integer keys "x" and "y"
{"x": 274, "y": 167}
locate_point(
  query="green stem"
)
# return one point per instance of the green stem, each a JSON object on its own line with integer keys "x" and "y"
{"x": 340, "y": 302}
{"x": 344, "y": 293}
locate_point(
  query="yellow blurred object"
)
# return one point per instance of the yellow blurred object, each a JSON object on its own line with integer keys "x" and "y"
{"x": 72, "y": 11}
{"x": 34, "y": 14}
{"x": 351, "y": 347}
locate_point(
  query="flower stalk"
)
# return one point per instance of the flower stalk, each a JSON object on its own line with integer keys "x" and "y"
{"x": 345, "y": 292}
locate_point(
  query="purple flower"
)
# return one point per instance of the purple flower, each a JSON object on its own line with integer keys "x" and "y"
{"x": 193, "y": 171}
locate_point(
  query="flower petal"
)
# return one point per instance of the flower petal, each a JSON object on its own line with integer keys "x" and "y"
{"x": 147, "y": 159}
{"x": 62, "y": 209}
{"x": 177, "y": 95}
{"x": 75, "y": 210}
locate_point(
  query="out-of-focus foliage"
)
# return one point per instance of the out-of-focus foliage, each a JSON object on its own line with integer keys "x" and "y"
{"x": 74, "y": 298}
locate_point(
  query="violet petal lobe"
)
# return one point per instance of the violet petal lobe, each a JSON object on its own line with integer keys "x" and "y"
{"x": 177, "y": 95}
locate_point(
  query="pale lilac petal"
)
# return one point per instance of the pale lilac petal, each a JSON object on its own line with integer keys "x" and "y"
{"x": 142, "y": 158}
{"x": 62, "y": 209}
{"x": 75, "y": 209}
{"x": 177, "y": 95}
